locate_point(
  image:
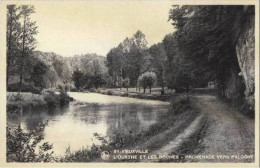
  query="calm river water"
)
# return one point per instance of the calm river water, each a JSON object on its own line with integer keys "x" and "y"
{"x": 74, "y": 126}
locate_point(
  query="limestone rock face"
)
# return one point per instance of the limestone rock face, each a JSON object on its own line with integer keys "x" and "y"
{"x": 245, "y": 49}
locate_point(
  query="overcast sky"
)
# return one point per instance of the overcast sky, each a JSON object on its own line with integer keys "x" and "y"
{"x": 71, "y": 28}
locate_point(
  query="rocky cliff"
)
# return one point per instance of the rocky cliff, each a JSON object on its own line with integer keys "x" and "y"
{"x": 239, "y": 79}
{"x": 245, "y": 51}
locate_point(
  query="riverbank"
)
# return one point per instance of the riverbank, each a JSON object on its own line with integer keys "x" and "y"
{"x": 155, "y": 95}
{"x": 17, "y": 102}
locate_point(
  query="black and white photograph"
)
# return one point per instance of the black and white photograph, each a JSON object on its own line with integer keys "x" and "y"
{"x": 133, "y": 82}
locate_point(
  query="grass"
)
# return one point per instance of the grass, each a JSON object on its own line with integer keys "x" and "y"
{"x": 16, "y": 102}
{"x": 24, "y": 96}
{"x": 193, "y": 144}
{"x": 154, "y": 95}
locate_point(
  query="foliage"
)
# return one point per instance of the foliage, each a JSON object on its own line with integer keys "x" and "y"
{"x": 21, "y": 41}
{"x": 180, "y": 104}
{"x": 64, "y": 98}
{"x": 110, "y": 92}
{"x": 87, "y": 81}
{"x": 206, "y": 40}
{"x": 21, "y": 146}
{"x": 78, "y": 79}
{"x": 39, "y": 70}
{"x": 181, "y": 81}
{"x": 129, "y": 59}
{"x": 25, "y": 88}
{"x": 147, "y": 80}
{"x": 158, "y": 61}
{"x": 126, "y": 82}
{"x": 98, "y": 81}
{"x": 52, "y": 99}
{"x": 12, "y": 34}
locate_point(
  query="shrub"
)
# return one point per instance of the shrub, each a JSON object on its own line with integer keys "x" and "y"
{"x": 180, "y": 104}
{"x": 64, "y": 98}
{"x": 52, "y": 100}
{"x": 125, "y": 94}
{"x": 67, "y": 87}
{"x": 15, "y": 87}
{"x": 92, "y": 90}
{"x": 21, "y": 146}
{"x": 109, "y": 92}
{"x": 126, "y": 83}
{"x": 74, "y": 90}
{"x": 147, "y": 80}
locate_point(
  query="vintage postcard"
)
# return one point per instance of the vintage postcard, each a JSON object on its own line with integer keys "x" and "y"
{"x": 126, "y": 83}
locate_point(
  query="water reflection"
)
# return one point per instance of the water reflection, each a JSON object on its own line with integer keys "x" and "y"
{"x": 74, "y": 126}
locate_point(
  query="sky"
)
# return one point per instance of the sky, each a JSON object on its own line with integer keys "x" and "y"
{"x": 74, "y": 28}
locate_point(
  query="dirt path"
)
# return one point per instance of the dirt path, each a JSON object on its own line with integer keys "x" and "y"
{"x": 229, "y": 132}
{"x": 176, "y": 142}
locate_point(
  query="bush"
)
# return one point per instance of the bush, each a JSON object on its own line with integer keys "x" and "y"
{"x": 64, "y": 98}
{"x": 52, "y": 100}
{"x": 92, "y": 90}
{"x": 180, "y": 104}
{"x": 125, "y": 94}
{"x": 74, "y": 90}
{"x": 109, "y": 92}
{"x": 25, "y": 88}
{"x": 21, "y": 146}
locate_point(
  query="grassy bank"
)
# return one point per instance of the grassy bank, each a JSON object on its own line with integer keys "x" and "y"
{"x": 154, "y": 95}
{"x": 17, "y": 102}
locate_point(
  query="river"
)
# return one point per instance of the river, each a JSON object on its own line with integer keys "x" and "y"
{"x": 74, "y": 126}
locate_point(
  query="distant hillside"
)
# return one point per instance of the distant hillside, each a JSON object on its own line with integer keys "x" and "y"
{"x": 64, "y": 67}
{"x": 86, "y": 62}
{"x": 61, "y": 69}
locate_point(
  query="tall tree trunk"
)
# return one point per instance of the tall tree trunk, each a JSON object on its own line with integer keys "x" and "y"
{"x": 23, "y": 52}
{"x": 162, "y": 82}
{"x": 162, "y": 88}
{"x": 9, "y": 53}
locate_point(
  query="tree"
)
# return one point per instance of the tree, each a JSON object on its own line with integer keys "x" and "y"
{"x": 207, "y": 39}
{"x": 138, "y": 55}
{"x": 27, "y": 42}
{"x": 98, "y": 81}
{"x": 147, "y": 80}
{"x": 96, "y": 69}
{"x": 52, "y": 77}
{"x": 158, "y": 60}
{"x": 126, "y": 82}
{"x": 39, "y": 70}
{"x": 78, "y": 79}
{"x": 128, "y": 60}
{"x": 116, "y": 63}
{"x": 12, "y": 35}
